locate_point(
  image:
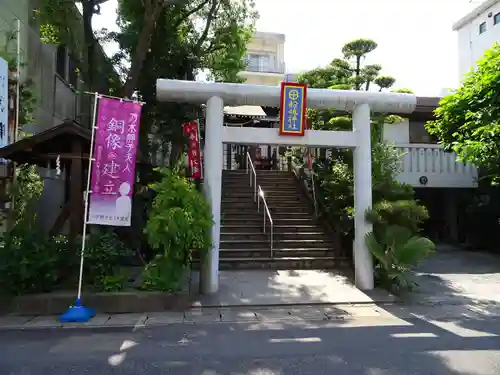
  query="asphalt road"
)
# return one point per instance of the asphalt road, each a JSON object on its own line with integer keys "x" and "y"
{"x": 366, "y": 346}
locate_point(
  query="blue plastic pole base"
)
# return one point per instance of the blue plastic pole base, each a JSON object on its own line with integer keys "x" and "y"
{"x": 77, "y": 313}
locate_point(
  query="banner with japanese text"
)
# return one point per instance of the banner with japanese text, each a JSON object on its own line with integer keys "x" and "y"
{"x": 4, "y": 104}
{"x": 191, "y": 131}
{"x": 293, "y": 106}
{"x": 113, "y": 171}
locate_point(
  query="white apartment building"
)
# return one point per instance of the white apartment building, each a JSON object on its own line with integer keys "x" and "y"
{"x": 265, "y": 59}
{"x": 477, "y": 31}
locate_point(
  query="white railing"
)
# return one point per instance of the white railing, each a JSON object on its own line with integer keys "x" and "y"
{"x": 428, "y": 165}
{"x": 257, "y": 197}
{"x": 253, "y": 181}
{"x": 266, "y": 211}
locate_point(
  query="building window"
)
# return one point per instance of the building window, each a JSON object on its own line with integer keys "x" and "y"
{"x": 260, "y": 63}
{"x": 496, "y": 19}
{"x": 419, "y": 134}
{"x": 61, "y": 61}
{"x": 482, "y": 28}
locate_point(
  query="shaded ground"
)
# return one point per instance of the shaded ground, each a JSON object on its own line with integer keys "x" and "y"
{"x": 287, "y": 287}
{"x": 455, "y": 276}
{"x": 357, "y": 347}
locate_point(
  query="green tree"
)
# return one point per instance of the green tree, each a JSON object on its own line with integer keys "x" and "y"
{"x": 467, "y": 121}
{"x": 393, "y": 201}
{"x": 188, "y": 38}
{"x": 195, "y": 35}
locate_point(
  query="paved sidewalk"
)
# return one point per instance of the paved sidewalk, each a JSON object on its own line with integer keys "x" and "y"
{"x": 455, "y": 276}
{"x": 295, "y": 314}
{"x": 286, "y": 287}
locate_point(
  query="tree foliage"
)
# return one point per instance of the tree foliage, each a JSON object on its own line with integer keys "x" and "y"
{"x": 393, "y": 201}
{"x": 468, "y": 120}
{"x": 179, "y": 223}
{"x": 188, "y": 36}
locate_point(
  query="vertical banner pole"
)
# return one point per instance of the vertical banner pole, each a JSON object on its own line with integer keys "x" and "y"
{"x": 87, "y": 193}
{"x": 15, "y": 135}
{"x": 18, "y": 85}
{"x": 79, "y": 313}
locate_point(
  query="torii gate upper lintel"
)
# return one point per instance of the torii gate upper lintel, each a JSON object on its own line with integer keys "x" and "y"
{"x": 360, "y": 103}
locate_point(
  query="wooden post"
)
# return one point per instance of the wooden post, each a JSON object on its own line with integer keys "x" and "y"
{"x": 75, "y": 194}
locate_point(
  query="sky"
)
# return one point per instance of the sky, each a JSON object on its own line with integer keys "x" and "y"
{"x": 416, "y": 44}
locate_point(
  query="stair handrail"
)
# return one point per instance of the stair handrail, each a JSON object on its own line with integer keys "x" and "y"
{"x": 252, "y": 169}
{"x": 266, "y": 211}
{"x": 314, "y": 195}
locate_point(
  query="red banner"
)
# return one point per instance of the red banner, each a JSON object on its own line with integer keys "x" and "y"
{"x": 194, "y": 157}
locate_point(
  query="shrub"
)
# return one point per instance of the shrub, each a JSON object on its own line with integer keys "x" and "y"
{"x": 405, "y": 213}
{"x": 29, "y": 261}
{"x": 397, "y": 252}
{"x": 180, "y": 221}
{"x": 103, "y": 253}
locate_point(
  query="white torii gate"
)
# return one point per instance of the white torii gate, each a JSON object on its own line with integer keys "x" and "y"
{"x": 360, "y": 103}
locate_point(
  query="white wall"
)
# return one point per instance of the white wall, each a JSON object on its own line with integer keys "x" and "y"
{"x": 440, "y": 168}
{"x": 398, "y": 133}
{"x": 471, "y": 44}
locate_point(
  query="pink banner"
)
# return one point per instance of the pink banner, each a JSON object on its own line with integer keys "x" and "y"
{"x": 113, "y": 171}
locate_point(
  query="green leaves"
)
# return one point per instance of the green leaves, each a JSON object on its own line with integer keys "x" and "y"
{"x": 468, "y": 120}
{"x": 180, "y": 222}
{"x": 358, "y": 48}
{"x": 397, "y": 252}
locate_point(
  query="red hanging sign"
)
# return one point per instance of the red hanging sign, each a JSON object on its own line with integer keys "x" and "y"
{"x": 194, "y": 157}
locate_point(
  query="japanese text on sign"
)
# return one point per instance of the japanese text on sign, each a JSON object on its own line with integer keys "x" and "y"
{"x": 113, "y": 174}
{"x": 191, "y": 131}
{"x": 293, "y": 108}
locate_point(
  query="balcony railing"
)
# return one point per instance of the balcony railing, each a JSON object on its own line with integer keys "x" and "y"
{"x": 65, "y": 100}
{"x": 272, "y": 68}
{"x": 429, "y": 166}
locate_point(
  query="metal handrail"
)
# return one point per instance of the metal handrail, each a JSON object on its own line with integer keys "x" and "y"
{"x": 314, "y": 195}
{"x": 261, "y": 195}
{"x": 254, "y": 184}
{"x": 257, "y": 198}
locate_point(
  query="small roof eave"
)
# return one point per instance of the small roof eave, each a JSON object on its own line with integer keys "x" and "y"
{"x": 26, "y": 149}
{"x": 245, "y": 110}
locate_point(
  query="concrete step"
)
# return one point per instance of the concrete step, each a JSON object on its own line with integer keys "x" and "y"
{"x": 268, "y": 190}
{"x": 277, "y": 253}
{"x": 277, "y": 215}
{"x": 285, "y": 186}
{"x": 271, "y": 203}
{"x": 274, "y": 209}
{"x": 277, "y": 244}
{"x": 288, "y": 263}
{"x": 246, "y": 228}
{"x": 242, "y": 205}
{"x": 274, "y": 198}
{"x": 301, "y": 207}
{"x": 276, "y": 195}
{"x": 259, "y": 172}
{"x": 259, "y": 220}
{"x": 278, "y": 236}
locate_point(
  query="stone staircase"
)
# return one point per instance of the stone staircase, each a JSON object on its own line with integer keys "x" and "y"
{"x": 300, "y": 242}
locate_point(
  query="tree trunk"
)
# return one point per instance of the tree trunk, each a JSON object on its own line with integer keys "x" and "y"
{"x": 151, "y": 15}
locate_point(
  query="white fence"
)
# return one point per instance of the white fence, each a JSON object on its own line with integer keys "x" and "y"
{"x": 429, "y": 166}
